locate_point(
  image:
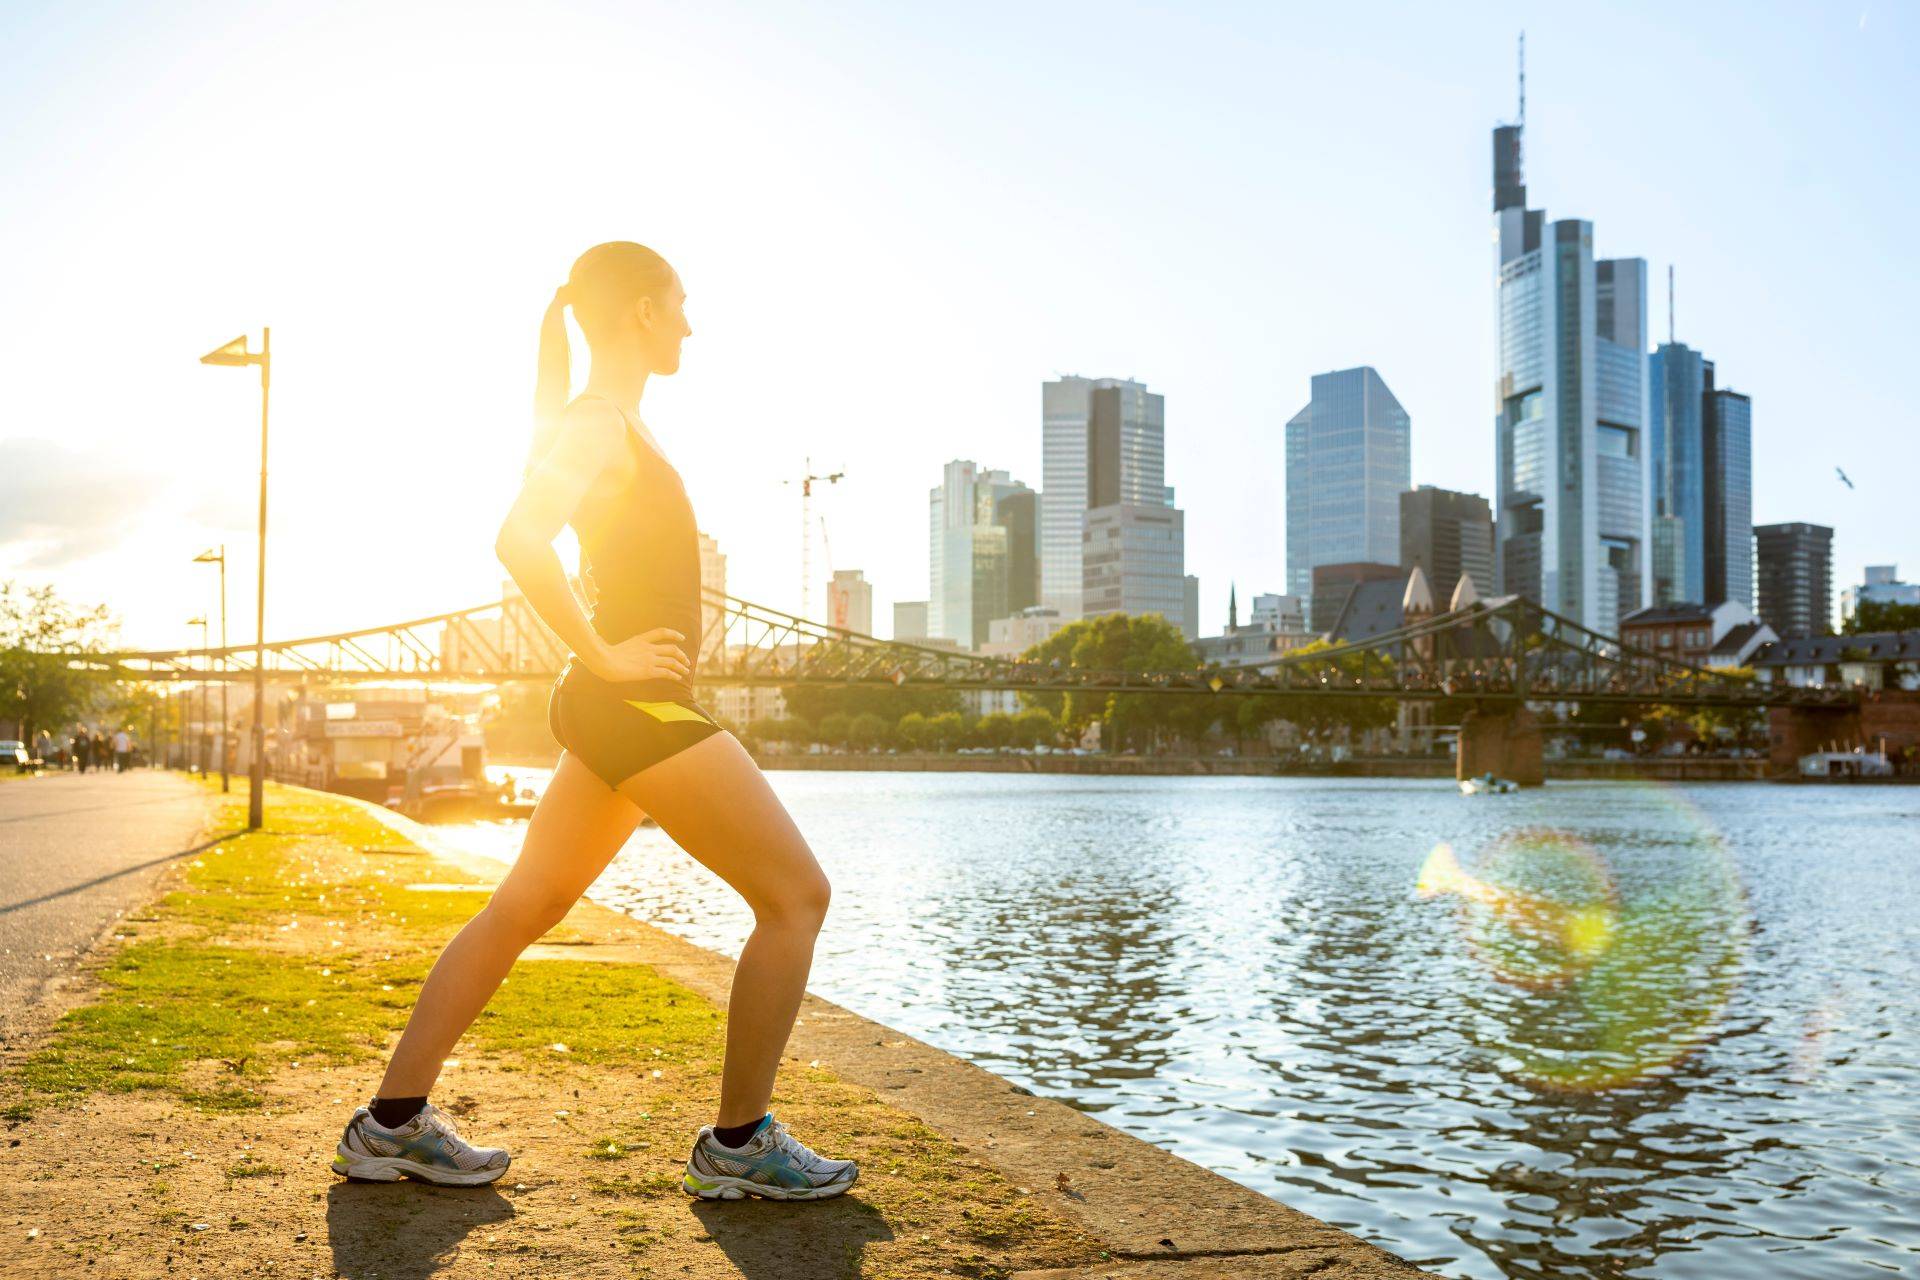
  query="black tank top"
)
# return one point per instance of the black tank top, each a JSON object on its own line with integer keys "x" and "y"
{"x": 642, "y": 550}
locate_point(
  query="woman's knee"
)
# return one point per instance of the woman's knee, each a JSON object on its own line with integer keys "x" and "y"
{"x": 524, "y": 918}
{"x": 802, "y": 901}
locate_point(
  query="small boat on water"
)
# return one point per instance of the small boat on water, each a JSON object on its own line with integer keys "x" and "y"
{"x": 1487, "y": 784}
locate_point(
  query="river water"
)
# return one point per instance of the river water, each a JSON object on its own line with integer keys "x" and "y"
{"x": 1594, "y": 1030}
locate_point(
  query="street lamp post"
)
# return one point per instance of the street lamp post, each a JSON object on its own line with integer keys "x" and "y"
{"x": 236, "y": 353}
{"x": 197, "y": 744}
{"x": 220, "y": 558}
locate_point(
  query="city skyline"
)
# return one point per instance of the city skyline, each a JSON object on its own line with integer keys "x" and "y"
{"x": 403, "y": 326}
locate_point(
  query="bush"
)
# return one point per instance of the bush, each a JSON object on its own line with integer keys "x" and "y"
{"x": 946, "y": 730}
{"x": 912, "y": 731}
{"x": 834, "y": 728}
{"x": 868, "y": 731}
{"x": 1034, "y": 727}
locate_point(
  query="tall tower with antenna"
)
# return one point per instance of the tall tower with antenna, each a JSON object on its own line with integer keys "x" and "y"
{"x": 1571, "y": 385}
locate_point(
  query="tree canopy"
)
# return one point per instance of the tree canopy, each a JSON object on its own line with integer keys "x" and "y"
{"x": 40, "y": 634}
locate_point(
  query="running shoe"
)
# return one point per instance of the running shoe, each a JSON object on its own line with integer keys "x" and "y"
{"x": 773, "y": 1164}
{"x": 426, "y": 1147}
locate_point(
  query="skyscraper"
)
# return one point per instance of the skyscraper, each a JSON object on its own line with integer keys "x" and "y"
{"x": 1573, "y": 521}
{"x": 1129, "y": 422}
{"x": 1728, "y": 456}
{"x": 1349, "y": 457}
{"x": 1133, "y": 539}
{"x": 970, "y": 550}
{"x": 1796, "y": 578}
{"x": 1445, "y": 534}
{"x": 1701, "y": 469}
{"x": 1676, "y": 467}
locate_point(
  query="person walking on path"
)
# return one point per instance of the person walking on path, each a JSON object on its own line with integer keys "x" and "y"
{"x": 122, "y": 750}
{"x": 82, "y": 746}
{"x": 633, "y": 742}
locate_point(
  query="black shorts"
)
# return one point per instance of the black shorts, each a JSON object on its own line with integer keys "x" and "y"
{"x": 618, "y": 737}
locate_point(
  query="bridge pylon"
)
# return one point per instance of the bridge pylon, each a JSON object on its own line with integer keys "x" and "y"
{"x": 1504, "y": 742}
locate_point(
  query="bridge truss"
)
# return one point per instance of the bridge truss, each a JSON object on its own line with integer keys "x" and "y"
{"x": 1508, "y": 649}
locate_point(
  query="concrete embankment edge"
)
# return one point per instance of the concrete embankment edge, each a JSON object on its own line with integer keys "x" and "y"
{"x": 1160, "y": 1217}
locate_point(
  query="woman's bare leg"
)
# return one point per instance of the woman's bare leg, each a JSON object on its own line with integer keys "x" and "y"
{"x": 714, "y": 802}
{"x": 577, "y": 827}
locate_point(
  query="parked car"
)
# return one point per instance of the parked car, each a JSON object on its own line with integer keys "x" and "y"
{"x": 14, "y": 752}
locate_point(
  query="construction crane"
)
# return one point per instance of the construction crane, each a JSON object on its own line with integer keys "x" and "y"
{"x": 807, "y": 477}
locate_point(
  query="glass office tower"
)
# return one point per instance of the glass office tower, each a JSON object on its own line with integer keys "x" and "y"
{"x": 1702, "y": 470}
{"x": 1349, "y": 458}
{"x": 1677, "y": 465}
{"x": 1573, "y": 519}
{"x": 1728, "y": 457}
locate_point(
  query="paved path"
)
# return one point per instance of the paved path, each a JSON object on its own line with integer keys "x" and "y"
{"x": 76, "y": 852}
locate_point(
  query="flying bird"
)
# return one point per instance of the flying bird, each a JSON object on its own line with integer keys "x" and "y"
{"x": 1843, "y": 477}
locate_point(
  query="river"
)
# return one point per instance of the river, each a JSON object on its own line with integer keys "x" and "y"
{"x": 1594, "y": 1030}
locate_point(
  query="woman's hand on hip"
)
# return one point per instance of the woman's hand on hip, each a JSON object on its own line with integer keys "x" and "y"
{"x": 651, "y": 655}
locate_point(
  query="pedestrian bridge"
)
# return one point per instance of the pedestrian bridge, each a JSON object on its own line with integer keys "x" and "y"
{"x": 1502, "y": 650}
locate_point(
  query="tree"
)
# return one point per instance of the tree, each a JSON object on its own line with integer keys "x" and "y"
{"x": 1870, "y": 616}
{"x": 1033, "y": 727}
{"x": 868, "y": 731}
{"x": 995, "y": 729}
{"x": 817, "y": 701}
{"x": 946, "y": 730}
{"x": 834, "y": 728}
{"x": 1318, "y": 714}
{"x": 40, "y": 635}
{"x": 1121, "y": 642}
{"x": 913, "y": 731}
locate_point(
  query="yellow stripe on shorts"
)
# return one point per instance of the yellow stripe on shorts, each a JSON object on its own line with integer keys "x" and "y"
{"x": 667, "y": 711}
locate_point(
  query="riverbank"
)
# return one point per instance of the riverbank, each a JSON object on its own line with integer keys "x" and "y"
{"x": 197, "y": 1095}
{"x": 1663, "y": 769}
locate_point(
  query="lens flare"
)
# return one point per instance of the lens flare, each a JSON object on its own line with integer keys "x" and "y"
{"x": 1608, "y": 967}
{"x": 1539, "y": 912}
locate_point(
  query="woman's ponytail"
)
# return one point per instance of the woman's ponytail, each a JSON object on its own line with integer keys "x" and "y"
{"x": 601, "y": 288}
{"x": 554, "y": 379}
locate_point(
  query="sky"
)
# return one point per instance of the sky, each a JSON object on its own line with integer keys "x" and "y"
{"x": 894, "y": 222}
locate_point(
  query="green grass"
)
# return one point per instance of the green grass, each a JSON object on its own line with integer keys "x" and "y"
{"x": 274, "y": 967}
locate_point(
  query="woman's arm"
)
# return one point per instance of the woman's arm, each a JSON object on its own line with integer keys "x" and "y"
{"x": 589, "y": 441}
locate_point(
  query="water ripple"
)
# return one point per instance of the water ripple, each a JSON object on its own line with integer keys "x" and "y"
{"x": 1239, "y": 971}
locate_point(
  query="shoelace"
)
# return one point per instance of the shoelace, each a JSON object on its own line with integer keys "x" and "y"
{"x": 805, "y": 1156}
{"x": 438, "y": 1122}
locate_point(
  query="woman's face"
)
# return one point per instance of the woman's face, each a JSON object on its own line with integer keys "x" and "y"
{"x": 663, "y": 327}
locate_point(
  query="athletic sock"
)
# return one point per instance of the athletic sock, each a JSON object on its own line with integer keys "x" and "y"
{"x": 736, "y": 1135}
{"x": 391, "y": 1113}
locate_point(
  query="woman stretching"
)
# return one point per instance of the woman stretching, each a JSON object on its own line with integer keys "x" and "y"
{"x": 634, "y": 741}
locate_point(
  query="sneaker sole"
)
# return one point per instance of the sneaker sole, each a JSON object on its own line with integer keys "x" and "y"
{"x": 393, "y": 1168}
{"x": 740, "y": 1189}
